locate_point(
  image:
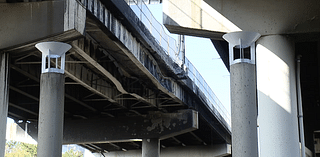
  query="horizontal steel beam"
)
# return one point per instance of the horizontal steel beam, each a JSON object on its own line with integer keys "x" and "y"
{"x": 105, "y": 72}
{"x": 37, "y": 79}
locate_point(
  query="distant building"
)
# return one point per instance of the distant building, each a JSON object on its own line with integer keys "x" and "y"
{"x": 16, "y": 133}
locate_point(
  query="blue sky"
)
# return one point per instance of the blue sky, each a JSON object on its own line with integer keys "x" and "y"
{"x": 203, "y": 55}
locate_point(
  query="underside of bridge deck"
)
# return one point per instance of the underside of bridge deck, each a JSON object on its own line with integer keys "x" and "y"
{"x": 108, "y": 82}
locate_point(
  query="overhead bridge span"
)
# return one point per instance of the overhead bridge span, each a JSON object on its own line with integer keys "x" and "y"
{"x": 125, "y": 86}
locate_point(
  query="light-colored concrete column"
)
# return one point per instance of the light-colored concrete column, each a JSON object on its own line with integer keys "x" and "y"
{"x": 243, "y": 110}
{"x": 243, "y": 93}
{"x": 4, "y": 99}
{"x": 51, "y": 105}
{"x": 277, "y": 102}
{"x": 50, "y": 131}
{"x": 151, "y": 147}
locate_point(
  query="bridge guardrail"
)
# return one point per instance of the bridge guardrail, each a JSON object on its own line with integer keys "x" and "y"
{"x": 156, "y": 29}
{"x": 170, "y": 47}
{"x": 211, "y": 98}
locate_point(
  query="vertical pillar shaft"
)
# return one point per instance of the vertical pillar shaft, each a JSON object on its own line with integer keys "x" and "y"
{"x": 243, "y": 93}
{"x": 4, "y": 99}
{"x": 50, "y": 132}
{"x": 151, "y": 147}
{"x": 243, "y": 110}
{"x": 277, "y": 102}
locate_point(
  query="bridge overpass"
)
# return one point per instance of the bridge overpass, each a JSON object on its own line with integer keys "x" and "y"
{"x": 289, "y": 29}
{"x": 125, "y": 84}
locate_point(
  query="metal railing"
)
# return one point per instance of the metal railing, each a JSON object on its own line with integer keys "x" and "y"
{"x": 168, "y": 43}
{"x": 210, "y": 97}
{"x": 170, "y": 47}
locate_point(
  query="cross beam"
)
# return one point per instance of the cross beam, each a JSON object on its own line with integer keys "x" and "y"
{"x": 102, "y": 130}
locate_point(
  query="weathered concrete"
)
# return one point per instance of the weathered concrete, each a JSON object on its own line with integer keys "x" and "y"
{"x": 151, "y": 147}
{"x": 26, "y": 22}
{"x": 155, "y": 125}
{"x": 4, "y": 99}
{"x": 51, "y": 115}
{"x": 210, "y": 18}
{"x": 277, "y": 102}
{"x": 243, "y": 110}
{"x": 188, "y": 151}
{"x": 137, "y": 49}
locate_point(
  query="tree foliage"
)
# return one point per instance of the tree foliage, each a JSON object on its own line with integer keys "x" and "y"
{"x": 72, "y": 153}
{"x": 20, "y": 149}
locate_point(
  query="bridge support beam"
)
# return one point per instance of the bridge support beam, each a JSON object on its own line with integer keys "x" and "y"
{"x": 151, "y": 147}
{"x": 51, "y": 115}
{"x": 277, "y": 102}
{"x": 40, "y": 20}
{"x": 154, "y": 125}
{"x": 4, "y": 99}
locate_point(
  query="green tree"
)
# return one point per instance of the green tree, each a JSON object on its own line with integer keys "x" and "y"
{"x": 19, "y": 149}
{"x": 72, "y": 153}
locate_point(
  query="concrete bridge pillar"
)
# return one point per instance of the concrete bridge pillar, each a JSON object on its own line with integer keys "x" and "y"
{"x": 277, "y": 102}
{"x": 51, "y": 105}
{"x": 50, "y": 129}
{"x": 243, "y": 93}
{"x": 151, "y": 147}
{"x": 4, "y": 99}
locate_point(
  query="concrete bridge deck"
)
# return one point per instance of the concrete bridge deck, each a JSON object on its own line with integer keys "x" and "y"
{"x": 116, "y": 73}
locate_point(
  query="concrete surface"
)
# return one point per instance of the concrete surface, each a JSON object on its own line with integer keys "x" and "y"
{"x": 277, "y": 102}
{"x": 243, "y": 110}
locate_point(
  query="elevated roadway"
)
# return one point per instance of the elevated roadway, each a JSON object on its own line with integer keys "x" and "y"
{"x": 121, "y": 85}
